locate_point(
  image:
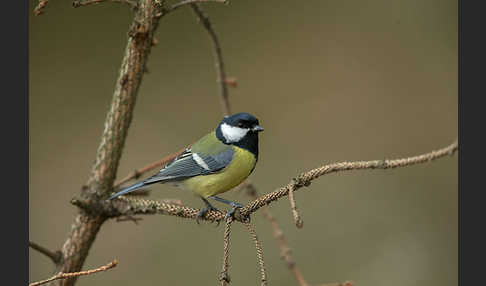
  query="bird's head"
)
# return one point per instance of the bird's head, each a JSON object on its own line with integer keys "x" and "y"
{"x": 238, "y": 128}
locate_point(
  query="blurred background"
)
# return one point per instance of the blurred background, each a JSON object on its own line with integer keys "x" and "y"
{"x": 329, "y": 80}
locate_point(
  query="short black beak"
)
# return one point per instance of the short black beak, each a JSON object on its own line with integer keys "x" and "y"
{"x": 257, "y": 128}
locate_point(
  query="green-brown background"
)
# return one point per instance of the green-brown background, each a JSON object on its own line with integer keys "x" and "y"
{"x": 329, "y": 81}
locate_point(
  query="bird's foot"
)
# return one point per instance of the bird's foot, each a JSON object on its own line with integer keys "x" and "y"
{"x": 203, "y": 212}
{"x": 232, "y": 211}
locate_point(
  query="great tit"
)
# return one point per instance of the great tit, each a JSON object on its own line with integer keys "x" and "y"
{"x": 216, "y": 163}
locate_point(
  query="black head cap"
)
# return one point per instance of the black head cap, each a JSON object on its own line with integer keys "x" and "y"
{"x": 240, "y": 129}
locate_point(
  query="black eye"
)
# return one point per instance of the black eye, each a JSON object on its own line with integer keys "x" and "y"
{"x": 241, "y": 124}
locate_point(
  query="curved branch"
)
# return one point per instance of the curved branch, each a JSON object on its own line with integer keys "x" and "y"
{"x": 132, "y": 206}
{"x": 285, "y": 251}
{"x": 259, "y": 251}
{"x": 306, "y": 178}
{"x": 61, "y": 275}
{"x": 218, "y": 57}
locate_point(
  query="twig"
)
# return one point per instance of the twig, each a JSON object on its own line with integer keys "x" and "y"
{"x": 218, "y": 57}
{"x": 278, "y": 234}
{"x": 306, "y": 178}
{"x": 54, "y": 256}
{"x": 224, "y": 277}
{"x": 346, "y": 283}
{"x": 259, "y": 253}
{"x": 231, "y": 81}
{"x": 137, "y": 173}
{"x": 129, "y": 218}
{"x": 186, "y": 2}
{"x": 39, "y": 9}
{"x": 61, "y": 275}
{"x": 139, "y": 193}
{"x": 293, "y": 206}
{"x": 77, "y": 4}
{"x": 123, "y": 205}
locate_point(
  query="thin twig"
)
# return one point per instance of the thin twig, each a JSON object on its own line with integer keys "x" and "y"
{"x": 218, "y": 57}
{"x": 55, "y": 256}
{"x": 224, "y": 277}
{"x": 139, "y": 172}
{"x": 293, "y": 206}
{"x": 187, "y": 2}
{"x": 77, "y": 4}
{"x": 129, "y": 218}
{"x": 124, "y": 205}
{"x": 231, "y": 81}
{"x": 259, "y": 251}
{"x": 346, "y": 283}
{"x": 39, "y": 9}
{"x": 306, "y": 178}
{"x": 278, "y": 234}
{"x": 61, "y": 275}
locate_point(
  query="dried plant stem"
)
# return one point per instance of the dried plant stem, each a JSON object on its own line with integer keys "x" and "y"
{"x": 306, "y": 178}
{"x": 137, "y": 173}
{"x": 278, "y": 234}
{"x": 77, "y": 4}
{"x": 61, "y": 275}
{"x": 39, "y": 9}
{"x": 346, "y": 283}
{"x": 224, "y": 277}
{"x": 187, "y": 2}
{"x": 218, "y": 57}
{"x": 259, "y": 251}
{"x": 293, "y": 206}
{"x": 125, "y": 205}
{"x": 55, "y": 256}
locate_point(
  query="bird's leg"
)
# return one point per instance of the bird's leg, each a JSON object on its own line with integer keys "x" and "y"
{"x": 202, "y": 212}
{"x": 235, "y": 205}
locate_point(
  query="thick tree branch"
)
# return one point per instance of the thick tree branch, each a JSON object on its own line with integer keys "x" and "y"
{"x": 54, "y": 256}
{"x": 87, "y": 224}
{"x": 221, "y": 78}
{"x": 61, "y": 275}
{"x": 126, "y": 90}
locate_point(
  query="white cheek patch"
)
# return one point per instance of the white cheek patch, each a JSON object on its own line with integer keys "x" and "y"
{"x": 200, "y": 161}
{"x": 233, "y": 134}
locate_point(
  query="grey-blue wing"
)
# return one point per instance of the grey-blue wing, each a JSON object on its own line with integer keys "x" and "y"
{"x": 190, "y": 164}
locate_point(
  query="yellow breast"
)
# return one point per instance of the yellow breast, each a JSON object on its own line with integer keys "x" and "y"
{"x": 234, "y": 174}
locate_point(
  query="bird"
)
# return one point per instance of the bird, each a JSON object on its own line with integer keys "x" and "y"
{"x": 216, "y": 163}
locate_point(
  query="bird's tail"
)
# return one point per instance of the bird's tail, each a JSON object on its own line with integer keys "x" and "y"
{"x": 129, "y": 189}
